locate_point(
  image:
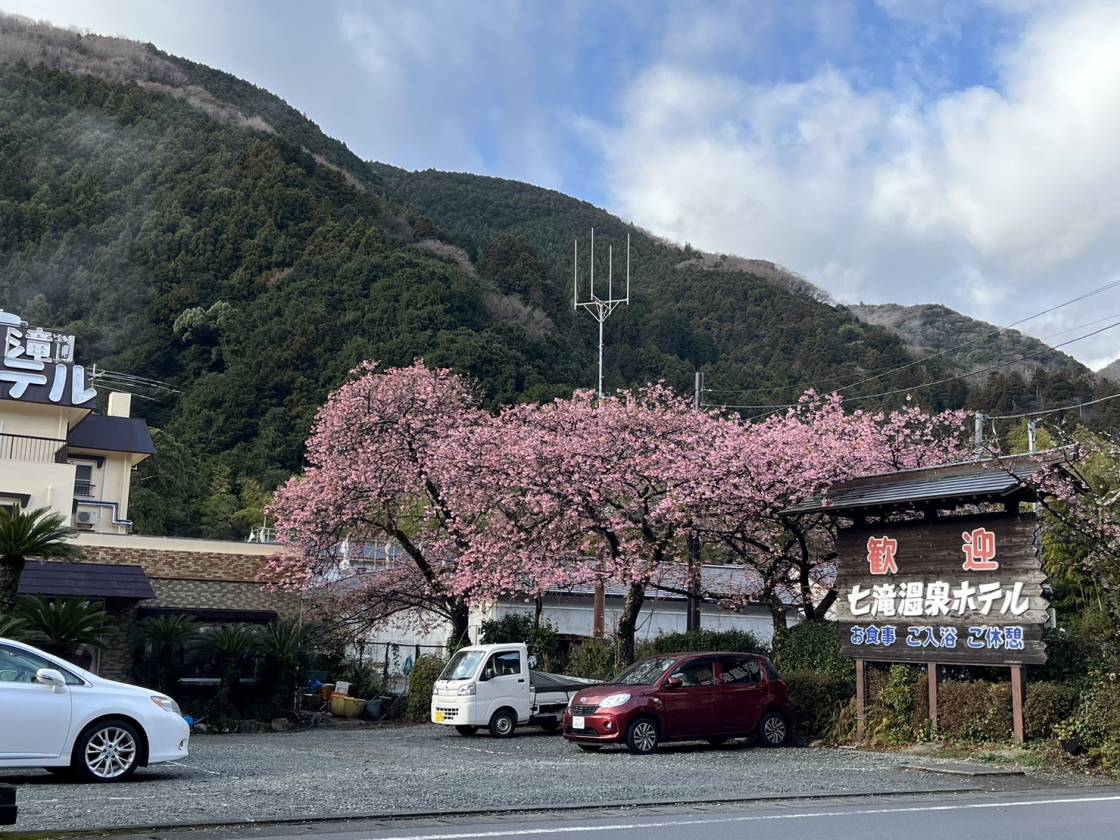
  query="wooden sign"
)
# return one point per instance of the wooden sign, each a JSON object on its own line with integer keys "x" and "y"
{"x": 965, "y": 590}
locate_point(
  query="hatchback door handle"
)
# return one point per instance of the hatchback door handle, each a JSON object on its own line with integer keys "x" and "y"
{"x": 521, "y": 680}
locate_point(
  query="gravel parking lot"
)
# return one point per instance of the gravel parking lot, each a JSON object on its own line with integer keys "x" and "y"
{"x": 409, "y": 769}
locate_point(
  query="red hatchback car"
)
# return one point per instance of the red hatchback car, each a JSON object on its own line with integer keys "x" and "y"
{"x": 683, "y": 697}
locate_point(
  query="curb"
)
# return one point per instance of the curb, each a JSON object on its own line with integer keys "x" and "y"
{"x": 110, "y": 831}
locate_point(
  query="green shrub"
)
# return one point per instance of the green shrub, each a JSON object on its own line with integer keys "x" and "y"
{"x": 518, "y": 627}
{"x": 897, "y": 703}
{"x": 817, "y": 701}
{"x": 977, "y": 711}
{"x": 593, "y": 659}
{"x": 813, "y": 646}
{"x": 1094, "y": 727}
{"x": 421, "y": 680}
{"x": 730, "y": 640}
{"x": 364, "y": 678}
{"x": 1047, "y": 705}
{"x": 1070, "y": 656}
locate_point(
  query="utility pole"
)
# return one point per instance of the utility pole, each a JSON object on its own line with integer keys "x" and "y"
{"x": 698, "y": 397}
{"x": 1032, "y": 435}
{"x": 978, "y": 434}
{"x": 600, "y": 309}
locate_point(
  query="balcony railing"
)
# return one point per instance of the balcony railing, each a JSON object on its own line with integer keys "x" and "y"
{"x": 39, "y": 450}
{"x": 84, "y": 489}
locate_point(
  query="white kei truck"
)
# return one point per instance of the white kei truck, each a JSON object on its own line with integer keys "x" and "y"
{"x": 493, "y": 686}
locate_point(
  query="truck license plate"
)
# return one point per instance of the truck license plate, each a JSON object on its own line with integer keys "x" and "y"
{"x": 439, "y": 717}
{"x": 578, "y": 723}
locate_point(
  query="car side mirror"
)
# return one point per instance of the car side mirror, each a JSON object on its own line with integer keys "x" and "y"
{"x": 674, "y": 682}
{"x": 51, "y": 677}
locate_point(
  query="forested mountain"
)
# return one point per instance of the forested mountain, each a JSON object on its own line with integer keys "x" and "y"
{"x": 1111, "y": 371}
{"x": 193, "y": 228}
{"x": 968, "y": 343}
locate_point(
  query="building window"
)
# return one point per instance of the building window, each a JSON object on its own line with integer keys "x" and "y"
{"x": 83, "y": 480}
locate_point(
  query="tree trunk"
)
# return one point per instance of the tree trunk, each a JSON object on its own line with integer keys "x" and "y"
{"x": 628, "y": 623}
{"x": 11, "y": 568}
{"x": 460, "y": 625}
{"x": 692, "y": 619}
{"x": 778, "y": 616}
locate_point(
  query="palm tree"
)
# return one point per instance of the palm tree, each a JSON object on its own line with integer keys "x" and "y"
{"x": 12, "y": 628}
{"x": 161, "y": 638}
{"x": 37, "y": 533}
{"x": 232, "y": 645}
{"x": 284, "y": 646}
{"x": 62, "y": 625}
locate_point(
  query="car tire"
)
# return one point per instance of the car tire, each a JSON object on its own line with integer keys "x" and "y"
{"x": 502, "y": 723}
{"x": 465, "y": 730}
{"x": 590, "y": 748}
{"x": 642, "y": 737}
{"x": 107, "y": 751}
{"x": 773, "y": 730}
{"x": 550, "y": 725}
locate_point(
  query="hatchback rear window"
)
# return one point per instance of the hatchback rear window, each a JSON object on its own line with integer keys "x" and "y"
{"x": 771, "y": 671}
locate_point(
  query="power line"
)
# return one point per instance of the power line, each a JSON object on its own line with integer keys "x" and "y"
{"x": 984, "y": 370}
{"x": 1052, "y": 410}
{"x": 948, "y": 379}
{"x": 996, "y": 331}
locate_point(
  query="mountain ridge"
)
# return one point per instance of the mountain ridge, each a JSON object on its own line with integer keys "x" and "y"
{"x": 970, "y": 342}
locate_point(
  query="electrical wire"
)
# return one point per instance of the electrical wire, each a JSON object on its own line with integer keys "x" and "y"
{"x": 1052, "y": 410}
{"x": 948, "y": 379}
{"x": 995, "y": 331}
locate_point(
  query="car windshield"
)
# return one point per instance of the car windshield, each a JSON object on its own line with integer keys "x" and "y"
{"x": 462, "y": 665}
{"x": 645, "y": 673}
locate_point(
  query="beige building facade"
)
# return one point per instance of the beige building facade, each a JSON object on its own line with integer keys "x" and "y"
{"x": 59, "y": 451}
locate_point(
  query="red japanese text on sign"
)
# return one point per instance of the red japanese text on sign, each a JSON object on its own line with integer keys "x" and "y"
{"x": 880, "y": 555}
{"x": 979, "y": 551}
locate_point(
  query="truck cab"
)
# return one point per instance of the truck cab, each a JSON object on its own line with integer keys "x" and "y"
{"x": 492, "y": 686}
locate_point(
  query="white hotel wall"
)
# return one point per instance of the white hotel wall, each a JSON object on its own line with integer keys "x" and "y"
{"x": 571, "y": 615}
{"x": 575, "y": 616}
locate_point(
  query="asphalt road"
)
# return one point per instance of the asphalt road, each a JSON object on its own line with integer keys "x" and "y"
{"x": 411, "y": 770}
{"x": 1088, "y": 814}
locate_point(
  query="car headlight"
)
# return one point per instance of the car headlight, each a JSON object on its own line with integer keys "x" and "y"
{"x": 167, "y": 704}
{"x": 613, "y": 700}
{"x": 466, "y": 689}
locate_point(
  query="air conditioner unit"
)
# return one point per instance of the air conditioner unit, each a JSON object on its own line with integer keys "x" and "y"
{"x": 87, "y": 518}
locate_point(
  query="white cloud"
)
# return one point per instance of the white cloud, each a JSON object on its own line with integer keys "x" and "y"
{"x": 995, "y": 202}
{"x": 425, "y": 63}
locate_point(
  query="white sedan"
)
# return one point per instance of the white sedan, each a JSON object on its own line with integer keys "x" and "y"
{"x": 57, "y": 716}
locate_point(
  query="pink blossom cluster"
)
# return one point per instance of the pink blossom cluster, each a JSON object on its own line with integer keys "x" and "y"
{"x": 538, "y": 497}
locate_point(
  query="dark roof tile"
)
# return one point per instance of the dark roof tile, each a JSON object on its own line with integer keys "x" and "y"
{"x": 85, "y": 580}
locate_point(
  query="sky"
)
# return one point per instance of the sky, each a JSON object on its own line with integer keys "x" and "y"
{"x": 963, "y": 152}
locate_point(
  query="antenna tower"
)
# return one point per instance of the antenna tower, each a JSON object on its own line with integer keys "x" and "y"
{"x": 600, "y": 308}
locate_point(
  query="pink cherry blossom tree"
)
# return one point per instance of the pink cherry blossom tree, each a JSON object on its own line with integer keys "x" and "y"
{"x": 382, "y": 464}
{"x": 756, "y": 472}
{"x": 540, "y": 497}
{"x": 589, "y": 492}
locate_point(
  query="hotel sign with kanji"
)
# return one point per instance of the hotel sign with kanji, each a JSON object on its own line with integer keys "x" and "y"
{"x": 964, "y": 590}
{"x": 37, "y": 366}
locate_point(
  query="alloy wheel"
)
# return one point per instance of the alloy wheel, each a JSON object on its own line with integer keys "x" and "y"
{"x": 774, "y": 730}
{"x": 110, "y": 752}
{"x": 644, "y": 736}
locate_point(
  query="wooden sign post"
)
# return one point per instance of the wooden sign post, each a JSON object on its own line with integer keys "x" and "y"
{"x": 938, "y": 566}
